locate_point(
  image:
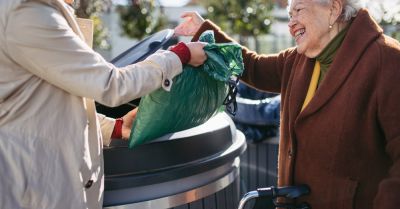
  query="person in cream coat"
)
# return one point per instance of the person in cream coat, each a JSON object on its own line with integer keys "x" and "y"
{"x": 51, "y": 137}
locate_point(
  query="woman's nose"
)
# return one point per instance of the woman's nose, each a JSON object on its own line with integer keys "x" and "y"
{"x": 292, "y": 22}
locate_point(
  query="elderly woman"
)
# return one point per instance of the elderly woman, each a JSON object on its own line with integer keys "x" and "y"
{"x": 340, "y": 103}
{"x": 50, "y": 136}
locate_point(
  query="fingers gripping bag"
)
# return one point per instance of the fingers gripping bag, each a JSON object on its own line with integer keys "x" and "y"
{"x": 195, "y": 96}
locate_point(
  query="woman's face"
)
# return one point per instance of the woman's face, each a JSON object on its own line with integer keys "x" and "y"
{"x": 309, "y": 25}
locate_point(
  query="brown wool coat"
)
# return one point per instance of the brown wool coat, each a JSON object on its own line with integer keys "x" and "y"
{"x": 346, "y": 143}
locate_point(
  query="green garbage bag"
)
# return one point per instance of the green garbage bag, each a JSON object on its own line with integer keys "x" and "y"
{"x": 195, "y": 96}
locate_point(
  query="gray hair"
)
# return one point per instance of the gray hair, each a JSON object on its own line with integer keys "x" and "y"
{"x": 350, "y": 8}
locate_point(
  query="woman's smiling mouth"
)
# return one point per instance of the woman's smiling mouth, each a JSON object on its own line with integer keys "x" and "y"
{"x": 299, "y": 33}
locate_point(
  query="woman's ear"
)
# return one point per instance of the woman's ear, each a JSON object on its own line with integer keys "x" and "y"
{"x": 336, "y": 10}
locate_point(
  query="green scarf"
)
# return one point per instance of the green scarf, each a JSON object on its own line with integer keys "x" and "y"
{"x": 326, "y": 56}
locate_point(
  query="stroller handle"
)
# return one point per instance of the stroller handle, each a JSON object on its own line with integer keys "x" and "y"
{"x": 291, "y": 192}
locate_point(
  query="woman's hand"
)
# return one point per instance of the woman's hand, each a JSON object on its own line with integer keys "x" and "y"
{"x": 127, "y": 123}
{"x": 191, "y": 25}
{"x": 197, "y": 54}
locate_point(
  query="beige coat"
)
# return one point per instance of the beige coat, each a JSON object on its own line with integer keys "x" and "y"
{"x": 50, "y": 137}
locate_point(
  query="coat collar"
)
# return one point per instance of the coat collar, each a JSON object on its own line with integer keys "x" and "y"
{"x": 8, "y": 5}
{"x": 363, "y": 30}
{"x": 68, "y": 13}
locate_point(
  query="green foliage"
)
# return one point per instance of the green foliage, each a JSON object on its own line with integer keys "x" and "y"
{"x": 100, "y": 34}
{"x": 244, "y": 17}
{"x": 387, "y": 13}
{"x": 92, "y": 9}
{"x": 392, "y": 27}
{"x": 141, "y": 18}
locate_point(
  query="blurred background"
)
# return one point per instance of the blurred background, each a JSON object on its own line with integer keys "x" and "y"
{"x": 259, "y": 24}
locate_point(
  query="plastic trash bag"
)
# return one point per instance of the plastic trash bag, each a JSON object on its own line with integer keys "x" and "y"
{"x": 196, "y": 94}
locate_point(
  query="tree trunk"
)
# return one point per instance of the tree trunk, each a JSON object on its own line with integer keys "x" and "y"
{"x": 82, "y": 10}
{"x": 257, "y": 43}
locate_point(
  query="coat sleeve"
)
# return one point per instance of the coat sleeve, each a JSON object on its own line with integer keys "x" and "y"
{"x": 40, "y": 40}
{"x": 107, "y": 127}
{"x": 263, "y": 72}
{"x": 389, "y": 119}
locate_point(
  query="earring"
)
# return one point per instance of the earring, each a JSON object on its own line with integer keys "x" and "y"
{"x": 330, "y": 26}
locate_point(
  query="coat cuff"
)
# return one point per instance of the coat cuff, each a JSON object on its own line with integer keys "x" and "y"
{"x": 219, "y": 35}
{"x": 107, "y": 126}
{"x": 207, "y": 25}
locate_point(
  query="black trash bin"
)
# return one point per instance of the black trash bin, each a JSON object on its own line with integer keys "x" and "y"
{"x": 194, "y": 168}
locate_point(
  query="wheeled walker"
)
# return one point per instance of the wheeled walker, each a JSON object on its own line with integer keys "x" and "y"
{"x": 268, "y": 197}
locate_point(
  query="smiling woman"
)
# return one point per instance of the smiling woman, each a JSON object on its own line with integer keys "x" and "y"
{"x": 340, "y": 97}
{"x": 314, "y": 25}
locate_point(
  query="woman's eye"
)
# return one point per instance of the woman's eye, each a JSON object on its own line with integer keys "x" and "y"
{"x": 298, "y": 10}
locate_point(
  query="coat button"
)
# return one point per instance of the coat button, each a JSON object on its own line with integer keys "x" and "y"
{"x": 167, "y": 82}
{"x": 88, "y": 184}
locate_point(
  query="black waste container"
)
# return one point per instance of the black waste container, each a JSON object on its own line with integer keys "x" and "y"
{"x": 194, "y": 168}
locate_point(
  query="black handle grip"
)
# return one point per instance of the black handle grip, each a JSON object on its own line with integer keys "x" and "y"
{"x": 155, "y": 44}
{"x": 289, "y": 191}
{"x": 266, "y": 192}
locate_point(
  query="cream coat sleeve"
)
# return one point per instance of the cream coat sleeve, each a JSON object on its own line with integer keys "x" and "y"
{"x": 107, "y": 127}
{"x": 47, "y": 47}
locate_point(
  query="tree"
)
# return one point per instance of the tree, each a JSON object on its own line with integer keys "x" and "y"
{"x": 247, "y": 18}
{"x": 141, "y": 18}
{"x": 387, "y": 13}
{"x": 92, "y": 9}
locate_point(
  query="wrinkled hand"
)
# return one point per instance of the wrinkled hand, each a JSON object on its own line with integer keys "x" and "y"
{"x": 127, "y": 123}
{"x": 191, "y": 25}
{"x": 197, "y": 54}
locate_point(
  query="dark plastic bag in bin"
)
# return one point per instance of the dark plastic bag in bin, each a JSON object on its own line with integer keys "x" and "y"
{"x": 195, "y": 96}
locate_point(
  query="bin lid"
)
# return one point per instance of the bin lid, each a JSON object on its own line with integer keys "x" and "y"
{"x": 173, "y": 156}
{"x": 172, "y": 150}
{"x": 144, "y": 48}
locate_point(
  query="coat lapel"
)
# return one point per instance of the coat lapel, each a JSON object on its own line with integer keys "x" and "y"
{"x": 362, "y": 32}
{"x": 300, "y": 83}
